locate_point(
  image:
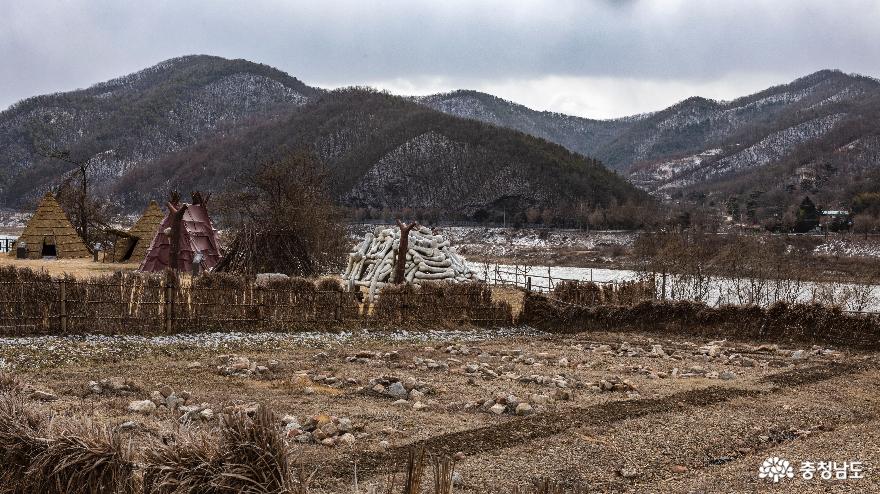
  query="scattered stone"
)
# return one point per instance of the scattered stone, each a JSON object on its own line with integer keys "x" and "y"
{"x": 628, "y": 473}
{"x": 457, "y": 479}
{"x": 679, "y": 469}
{"x": 127, "y": 426}
{"x": 727, "y": 375}
{"x": 235, "y": 365}
{"x": 195, "y": 364}
{"x": 498, "y": 409}
{"x": 145, "y": 407}
{"x": 419, "y": 406}
{"x": 40, "y": 395}
{"x": 524, "y": 409}
{"x": 396, "y": 390}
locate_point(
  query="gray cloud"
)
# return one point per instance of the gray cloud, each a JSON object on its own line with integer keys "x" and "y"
{"x": 690, "y": 45}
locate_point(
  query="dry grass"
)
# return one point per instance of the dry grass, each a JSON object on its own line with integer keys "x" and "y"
{"x": 80, "y": 268}
{"x": 512, "y": 295}
{"x": 84, "y": 458}
{"x": 20, "y": 441}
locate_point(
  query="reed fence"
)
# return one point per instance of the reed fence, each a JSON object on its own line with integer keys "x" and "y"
{"x": 130, "y": 303}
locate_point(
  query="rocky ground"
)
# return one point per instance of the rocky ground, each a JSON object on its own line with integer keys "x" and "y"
{"x": 607, "y": 411}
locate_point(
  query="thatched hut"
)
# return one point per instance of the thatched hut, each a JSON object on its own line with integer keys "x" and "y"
{"x": 50, "y": 233}
{"x": 133, "y": 248}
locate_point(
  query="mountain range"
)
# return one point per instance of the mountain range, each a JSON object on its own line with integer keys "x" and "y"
{"x": 817, "y": 135}
{"x": 199, "y": 121}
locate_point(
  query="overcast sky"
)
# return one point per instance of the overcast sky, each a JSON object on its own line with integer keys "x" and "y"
{"x": 597, "y": 59}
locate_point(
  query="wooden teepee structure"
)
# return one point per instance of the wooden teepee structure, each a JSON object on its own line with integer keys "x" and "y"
{"x": 50, "y": 233}
{"x": 185, "y": 234}
{"x": 133, "y": 248}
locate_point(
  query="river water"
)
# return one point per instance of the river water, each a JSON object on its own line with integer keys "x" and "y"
{"x": 715, "y": 291}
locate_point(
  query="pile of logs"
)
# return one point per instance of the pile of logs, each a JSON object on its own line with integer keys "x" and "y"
{"x": 429, "y": 257}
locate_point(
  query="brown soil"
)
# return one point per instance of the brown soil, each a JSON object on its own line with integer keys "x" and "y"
{"x": 822, "y": 407}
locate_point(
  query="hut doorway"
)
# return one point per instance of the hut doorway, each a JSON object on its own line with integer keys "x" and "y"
{"x": 48, "y": 249}
{"x": 132, "y": 243}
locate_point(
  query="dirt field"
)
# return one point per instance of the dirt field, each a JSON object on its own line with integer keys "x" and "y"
{"x": 611, "y": 412}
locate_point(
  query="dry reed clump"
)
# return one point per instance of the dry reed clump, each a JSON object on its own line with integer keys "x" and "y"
{"x": 251, "y": 456}
{"x": 190, "y": 466}
{"x": 21, "y": 440}
{"x": 84, "y": 458}
{"x": 255, "y": 456}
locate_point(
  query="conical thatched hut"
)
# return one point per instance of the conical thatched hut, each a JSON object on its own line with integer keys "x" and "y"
{"x": 50, "y": 233}
{"x": 134, "y": 248}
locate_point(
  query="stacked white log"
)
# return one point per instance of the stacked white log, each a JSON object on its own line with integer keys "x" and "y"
{"x": 429, "y": 258}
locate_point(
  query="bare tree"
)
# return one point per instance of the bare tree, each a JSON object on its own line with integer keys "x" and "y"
{"x": 89, "y": 213}
{"x": 282, "y": 220}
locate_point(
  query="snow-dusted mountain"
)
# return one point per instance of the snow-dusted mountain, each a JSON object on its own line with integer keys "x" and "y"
{"x": 818, "y": 134}
{"x": 707, "y": 145}
{"x": 198, "y": 121}
{"x": 138, "y": 118}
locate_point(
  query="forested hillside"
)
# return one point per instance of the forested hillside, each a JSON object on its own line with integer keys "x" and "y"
{"x": 201, "y": 121}
{"x": 383, "y": 151}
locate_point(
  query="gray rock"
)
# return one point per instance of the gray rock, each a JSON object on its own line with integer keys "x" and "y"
{"x": 524, "y": 409}
{"x": 396, "y": 390}
{"x": 457, "y": 480}
{"x": 497, "y": 408}
{"x": 157, "y": 398}
{"x": 347, "y": 439}
{"x": 94, "y": 388}
{"x": 40, "y": 395}
{"x": 344, "y": 424}
{"x": 127, "y": 426}
{"x": 145, "y": 407}
{"x": 628, "y": 473}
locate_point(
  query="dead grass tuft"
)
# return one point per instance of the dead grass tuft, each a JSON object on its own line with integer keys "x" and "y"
{"x": 20, "y": 441}
{"x": 85, "y": 458}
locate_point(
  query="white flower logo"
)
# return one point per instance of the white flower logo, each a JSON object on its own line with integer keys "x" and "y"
{"x": 775, "y": 469}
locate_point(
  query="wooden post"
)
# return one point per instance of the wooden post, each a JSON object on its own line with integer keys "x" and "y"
{"x": 169, "y": 305}
{"x": 63, "y": 306}
{"x": 400, "y": 266}
{"x": 529, "y": 284}
{"x": 663, "y": 296}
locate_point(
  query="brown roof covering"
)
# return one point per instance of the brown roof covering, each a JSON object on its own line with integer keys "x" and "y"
{"x": 50, "y": 226}
{"x": 144, "y": 229}
{"x": 197, "y": 235}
